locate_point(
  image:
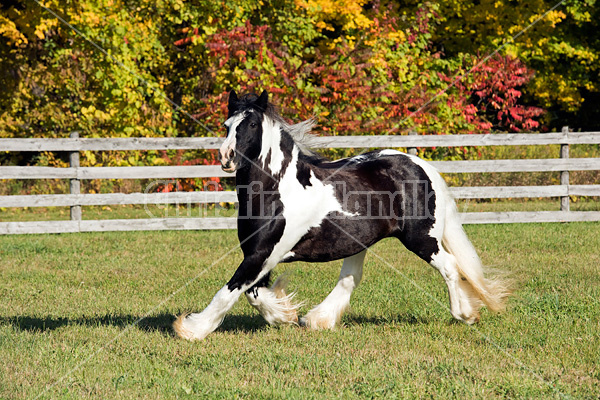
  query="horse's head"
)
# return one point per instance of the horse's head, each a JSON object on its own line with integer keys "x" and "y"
{"x": 244, "y": 130}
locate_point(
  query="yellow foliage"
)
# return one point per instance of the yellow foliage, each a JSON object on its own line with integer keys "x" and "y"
{"x": 564, "y": 63}
{"x": 9, "y": 30}
{"x": 397, "y": 36}
{"x": 348, "y": 13}
{"x": 556, "y": 88}
{"x": 44, "y": 26}
{"x": 554, "y": 17}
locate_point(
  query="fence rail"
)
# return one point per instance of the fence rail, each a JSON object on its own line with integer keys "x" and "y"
{"x": 75, "y": 174}
{"x": 177, "y": 171}
{"x": 123, "y": 144}
{"x": 206, "y": 171}
{"x": 69, "y": 200}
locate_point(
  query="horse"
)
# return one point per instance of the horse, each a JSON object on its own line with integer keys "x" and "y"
{"x": 295, "y": 205}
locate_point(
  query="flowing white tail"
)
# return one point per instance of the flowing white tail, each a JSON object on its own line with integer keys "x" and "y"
{"x": 493, "y": 292}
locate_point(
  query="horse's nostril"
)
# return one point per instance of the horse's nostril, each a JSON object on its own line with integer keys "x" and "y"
{"x": 231, "y": 154}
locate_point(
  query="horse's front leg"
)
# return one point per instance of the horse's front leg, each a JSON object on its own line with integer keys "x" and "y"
{"x": 197, "y": 326}
{"x": 329, "y": 313}
{"x": 273, "y": 303}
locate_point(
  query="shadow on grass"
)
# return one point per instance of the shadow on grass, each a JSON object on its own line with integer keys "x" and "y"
{"x": 242, "y": 323}
{"x": 402, "y": 319}
{"x": 156, "y": 323}
{"x": 163, "y": 322}
{"x": 160, "y": 323}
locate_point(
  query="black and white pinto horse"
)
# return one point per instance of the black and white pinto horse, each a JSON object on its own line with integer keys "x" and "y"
{"x": 297, "y": 206}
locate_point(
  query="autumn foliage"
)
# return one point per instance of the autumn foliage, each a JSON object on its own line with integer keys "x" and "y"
{"x": 359, "y": 67}
{"x": 389, "y": 82}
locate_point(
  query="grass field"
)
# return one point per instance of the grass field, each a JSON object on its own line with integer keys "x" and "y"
{"x": 71, "y": 307}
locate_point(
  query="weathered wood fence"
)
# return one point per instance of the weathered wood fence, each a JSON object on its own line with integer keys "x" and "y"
{"x": 75, "y": 173}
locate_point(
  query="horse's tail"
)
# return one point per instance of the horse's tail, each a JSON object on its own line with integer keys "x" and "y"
{"x": 493, "y": 292}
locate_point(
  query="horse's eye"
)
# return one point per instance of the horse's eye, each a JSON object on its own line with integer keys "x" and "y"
{"x": 253, "y": 125}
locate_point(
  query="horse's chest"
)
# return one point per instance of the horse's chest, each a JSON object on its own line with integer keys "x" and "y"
{"x": 305, "y": 207}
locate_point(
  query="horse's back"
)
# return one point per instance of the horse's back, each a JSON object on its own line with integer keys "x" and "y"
{"x": 383, "y": 193}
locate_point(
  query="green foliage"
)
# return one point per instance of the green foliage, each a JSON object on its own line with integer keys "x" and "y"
{"x": 563, "y": 48}
{"x": 59, "y": 82}
{"x": 358, "y": 67}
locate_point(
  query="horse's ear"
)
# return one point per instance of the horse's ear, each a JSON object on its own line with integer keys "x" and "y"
{"x": 263, "y": 100}
{"x": 233, "y": 102}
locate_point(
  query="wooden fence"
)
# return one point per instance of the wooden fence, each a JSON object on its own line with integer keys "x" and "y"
{"x": 75, "y": 200}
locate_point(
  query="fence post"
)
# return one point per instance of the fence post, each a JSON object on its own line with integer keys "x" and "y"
{"x": 412, "y": 150}
{"x": 75, "y": 183}
{"x": 564, "y": 175}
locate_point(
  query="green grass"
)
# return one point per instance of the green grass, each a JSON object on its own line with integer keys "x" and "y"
{"x": 69, "y": 302}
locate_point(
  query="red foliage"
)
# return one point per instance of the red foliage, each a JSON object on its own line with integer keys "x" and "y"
{"x": 357, "y": 96}
{"x": 190, "y": 184}
{"x": 495, "y": 92}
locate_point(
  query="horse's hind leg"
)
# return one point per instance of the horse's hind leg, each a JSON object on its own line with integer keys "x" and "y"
{"x": 327, "y": 314}
{"x": 273, "y": 303}
{"x": 462, "y": 306}
{"x": 461, "y": 298}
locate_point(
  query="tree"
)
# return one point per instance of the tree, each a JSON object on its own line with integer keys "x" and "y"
{"x": 361, "y": 68}
{"x": 562, "y": 46}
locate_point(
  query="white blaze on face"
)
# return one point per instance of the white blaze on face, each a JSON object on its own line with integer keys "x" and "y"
{"x": 229, "y": 144}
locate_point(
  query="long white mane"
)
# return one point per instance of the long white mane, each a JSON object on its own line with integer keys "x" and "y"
{"x": 300, "y": 132}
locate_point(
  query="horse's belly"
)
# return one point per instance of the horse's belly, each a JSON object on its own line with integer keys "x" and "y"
{"x": 337, "y": 239}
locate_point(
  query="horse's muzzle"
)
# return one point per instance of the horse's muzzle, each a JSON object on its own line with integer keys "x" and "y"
{"x": 227, "y": 163}
{"x": 228, "y": 167}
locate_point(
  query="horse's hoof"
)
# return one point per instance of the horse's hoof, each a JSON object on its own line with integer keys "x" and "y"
{"x": 181, "y": 330}
{"x": 317, "y": 322}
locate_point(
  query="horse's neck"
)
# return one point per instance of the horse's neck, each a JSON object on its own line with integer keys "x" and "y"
{"x": 276, "y": 149}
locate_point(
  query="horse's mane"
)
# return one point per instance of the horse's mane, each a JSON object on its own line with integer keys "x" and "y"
{"x": 300, "y": 132}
